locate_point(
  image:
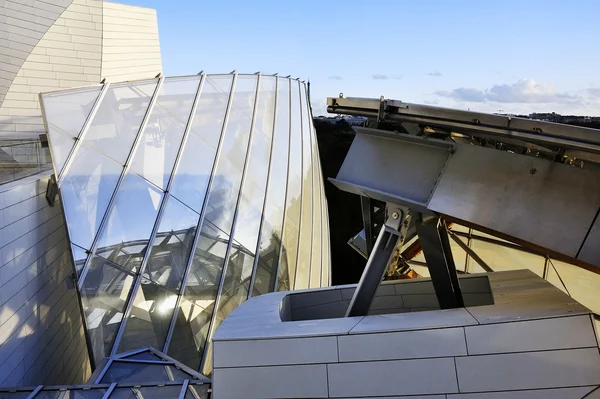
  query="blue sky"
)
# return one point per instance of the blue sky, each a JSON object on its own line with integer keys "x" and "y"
{"x": 516, "y": 56}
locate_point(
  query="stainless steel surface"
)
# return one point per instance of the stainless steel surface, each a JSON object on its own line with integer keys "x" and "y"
{"x": 541, "y": 202}
{"x": 418, "y": 140}
{"x": 590, "y": 251}
{"x": 403, "y": 170}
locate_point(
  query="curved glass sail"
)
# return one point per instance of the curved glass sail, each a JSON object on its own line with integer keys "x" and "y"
{"x": 184, "y": 197}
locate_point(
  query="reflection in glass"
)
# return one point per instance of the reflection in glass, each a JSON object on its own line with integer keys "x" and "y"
{"x": 224, "y": 192}
{"x": 316, "y": 251}
{"x": 272, "y": 225}
{"x": 212, "y": 106}
{"x": 104, "y": 296}
{"x": 166, "y": 392}
{"x": 129, "y": 372}
{"x": 192, "y": 324}
{"x": 119, "y": 117}
{"x": 197, "y": 392}
{"x": 125, "y": 236}
{"x": 306, "y": 222}
{"x": 152, "y": 312}
{"x": 66, "y": 112}
{"x": 79, "y": 256}
{"x": 85, "y": 191}
{"x": 71, "y": 394}
{"x": 161, "y": 138}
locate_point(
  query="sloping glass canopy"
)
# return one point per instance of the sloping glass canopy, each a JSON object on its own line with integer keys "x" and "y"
{"x": 183, "y": 197}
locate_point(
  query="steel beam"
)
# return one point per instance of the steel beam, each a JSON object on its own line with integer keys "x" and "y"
{"x": 367, "y": 215}
{"x": 393, "y": 231}
{"x": 438, "y": 254}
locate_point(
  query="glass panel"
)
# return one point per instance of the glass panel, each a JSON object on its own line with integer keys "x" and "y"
{"x": 212, "y": 105}
{"x": 118, "y": 119}
{"x": 15, "y": 395}
{"x": 125, "y": 236}
{"x": 65, "y": 114}
{"x": 237, "y": 282}
{"x": 80, "y": 256}
{"x": 172, "y": 245}
{"x": 127, "y": 372}
{"x": 193, "y": 173}
{"x": 170, "y": 392}
{"x": 272, "y": 227}
{"x": 149, "y": 322}
{"x": 499, "y": 257}
{"x": 151, "y": 314}
{"x": 224, "y": 193}
{"x": 249, "y": 215}
{"x": 581, "y": 284}
{"x": 324, "y": 240}
{"x": 104, "y": 295}
{"x": 72, "y": 394}
{"x": 287, "y": 265}
{"x": 316, "y": 255}
{"x": 86, "y": 191}
{"x": 197, "y": 392}
{"x": 306, "y": 223}
{"x": 194, "y": 315}
{"x": 161, "y": 139}
{"x": 146, "y": 355}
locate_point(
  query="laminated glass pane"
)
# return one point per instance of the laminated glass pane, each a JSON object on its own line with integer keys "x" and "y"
{"x": 289, "y": 254}
{"x": 271, "y": 233}
{"x": 500, "y": 257}
{"x": 264, "y": 118}
{"x": 161, "y": 139}
{"x": 249, "y": 216}
{"x": 128, "y": 372}
{"x": 224, "y": 193}
{"x": 15, "y": 395}
{"x": 324, "y": 241}
{"x": 79, "y": 256}
{"x": 71, "y": 394}
{"x": 197, "y": 392}
{"x": 172, "y": 245}
{"x": 168, "y": 392}
{"x": 151, "y": 314}
{"x": 104, "y": 296}
{"x": 580, "y": 283}
{"x": 193, "y": 173}
{"x": 306, "y": 223}
{"x": 65, "y": 113}
{"x": 197, "y": 305}
{"x": 212, "y": 106}
{"x": 85, "y": 191}
{"x": 125, "y": 236}
{"x": 119, "y": 117}
{"x": 146, "y": 355}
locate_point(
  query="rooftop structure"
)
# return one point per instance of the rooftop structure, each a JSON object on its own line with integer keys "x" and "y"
{"x": 183, "y": 197}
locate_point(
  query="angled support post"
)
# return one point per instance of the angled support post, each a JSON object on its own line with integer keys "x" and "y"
{"x": 391, "y": 234}
{"x": 367, "y": 215}
{"x": 438, "y": 254}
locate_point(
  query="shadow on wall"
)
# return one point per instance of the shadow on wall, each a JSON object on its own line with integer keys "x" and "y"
{"x": 345, "y": 219}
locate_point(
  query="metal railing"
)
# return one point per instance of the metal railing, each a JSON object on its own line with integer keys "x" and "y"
{"x": 22, "y": 158}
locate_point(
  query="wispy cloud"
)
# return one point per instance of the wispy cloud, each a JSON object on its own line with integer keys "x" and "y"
{"x": 336, "y": 77}
{"x": 378, "y": 76}
{"x": 523, "y": 91}
{"x": 594, "y": 92}
{"x": 435, "y": 74}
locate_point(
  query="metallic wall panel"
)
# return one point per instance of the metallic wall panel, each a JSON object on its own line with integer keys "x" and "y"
{"x": 590, "y": 251}
{"x": 544, "y": 203}
{"x": 400, "y": 169}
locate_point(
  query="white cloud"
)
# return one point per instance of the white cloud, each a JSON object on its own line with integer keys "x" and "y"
{"x": 435, "y": 74}
{"x": 335, "y": 77}
{"x": 378, "y": 76}
{"x": 524, "y": 91}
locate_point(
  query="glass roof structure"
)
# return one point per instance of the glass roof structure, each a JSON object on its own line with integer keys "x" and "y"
{"x": 183, "y": 197}
{"x": 144, "y": 373}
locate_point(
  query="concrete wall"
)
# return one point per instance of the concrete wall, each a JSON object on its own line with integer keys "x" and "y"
{"x": 533, "y": 342}
{"x": 41, "y": 332}
{"x": 85, "y": 42}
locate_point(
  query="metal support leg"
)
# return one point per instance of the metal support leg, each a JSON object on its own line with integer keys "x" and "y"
{"x": 367, "y": 215}
{"x": 436, "y": 248}
{"x": 389, "y": 235}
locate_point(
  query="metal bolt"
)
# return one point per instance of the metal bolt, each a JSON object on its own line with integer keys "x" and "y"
{"x": 395, "y": 215}
{"x": 532, "y": 171}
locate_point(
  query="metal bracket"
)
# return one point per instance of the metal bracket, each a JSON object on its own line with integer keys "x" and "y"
{"x": 391, "y": 233}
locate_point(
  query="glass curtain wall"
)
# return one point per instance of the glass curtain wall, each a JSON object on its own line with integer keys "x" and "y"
{"x": 184, "y": 197}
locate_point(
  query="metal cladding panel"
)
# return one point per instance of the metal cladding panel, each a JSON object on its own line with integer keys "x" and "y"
{"x": 397, "y": 168}
{"x": 551, "y": 204}
{"x": 590, "y": 251}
